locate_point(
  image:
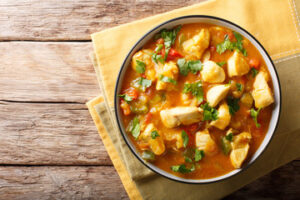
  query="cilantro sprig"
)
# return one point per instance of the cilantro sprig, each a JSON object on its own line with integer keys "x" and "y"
{"x": 182, "y": 168}
{"x": 233, "y": 104}
{"x": 140, "y": 66}
{"x": 134, "y": 127}
{"x": 254, "y": 114}
{"x": 209, "y": 113}
{"x": 154, "y": 134}
{"x": 228, "y": 45}
{"x": 126, "y": 97}
{"x": 189, "y": 66}
{"x": 167, "y": 79}
{"x": 196, "y": 89}
{"x": 185, "y": 138}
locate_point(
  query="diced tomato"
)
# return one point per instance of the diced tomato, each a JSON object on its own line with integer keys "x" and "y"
{"x": 254, "y": 62}
{"x": 230, "y": 35}
{"x": 133, "y": 93}
{"x": 148, "y": 118}
{"x": 212, "y": 49}
{"x": 160, "y": 41}
{"x": 143, "y": 75}
{"x": 163, "y": 52}
{"x": 125, "y": 107}
{"x": 173, "y": 54}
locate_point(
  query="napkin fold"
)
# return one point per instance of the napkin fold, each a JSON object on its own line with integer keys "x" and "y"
{"x": 281, "y": 39}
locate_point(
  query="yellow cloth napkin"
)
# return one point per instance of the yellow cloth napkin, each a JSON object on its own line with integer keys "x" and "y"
{"x": 281, "y": 38}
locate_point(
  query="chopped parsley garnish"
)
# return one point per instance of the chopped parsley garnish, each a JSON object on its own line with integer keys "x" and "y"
{"x": 154, "y": 134}
{"x": 226, "y": 146}
{"x": 148, "y": 155}
{"x": 233, "y": 104}
{"x": 169, "y": 36}
{"x": 239, "y": 87}
{"x": 167, "y": 79}
{"x": 254, "y": 72}
{"x": 188, "y": 159}
{"x": 134, "y": 127}
{"x": 209, "y": 113}
{"x": 199, "y": 154}
{"x": 141, "y": 83}
{"x": 229, "y": 137}
{"x": 185, "y": 138}
{"x": 190, "y": 66}
{"x": 182, "y": 168}
{"x": 158, "y": 47}
{"x": 167, "y": 52}
{"x": 254, "y": 114}
{"x": 140, "y": 66}
{"x": 126, "y": 97}
{"x": 228, "y": 45}
{"x": 157, "y": 58}
{"x": 194, "y": 88}
{"x": 221, "y": 64}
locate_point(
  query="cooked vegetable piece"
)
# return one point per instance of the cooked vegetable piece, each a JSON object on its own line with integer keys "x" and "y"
{"x": 199, "y": 154}
{"x": 233, "y": 104}
{"x": 148, "y": 155}
{"x": 154, "y": 134}
{"x": 226, "y": 146}
{"x": 254, "y": 114}
{"x": 217, "y": 93}
{"x": 195, "y": 89}
{"x": 134, "y": 127}
{"x": 140, "y": 66}
{"x": 247, "y": 100}
{"x": 182, "y": 168}
{"x": 180, "y": 115}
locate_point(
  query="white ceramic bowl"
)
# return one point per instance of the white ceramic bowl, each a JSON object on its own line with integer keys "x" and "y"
{"x": 217, "y": 21}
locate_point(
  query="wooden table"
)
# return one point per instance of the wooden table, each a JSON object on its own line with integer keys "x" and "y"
{"x": 50, "y": 148}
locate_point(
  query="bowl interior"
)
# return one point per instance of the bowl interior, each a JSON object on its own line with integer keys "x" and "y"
{"x": 220, "y": 22}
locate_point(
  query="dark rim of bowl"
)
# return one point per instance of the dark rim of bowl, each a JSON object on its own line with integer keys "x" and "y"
{"x": 116, "y": 103}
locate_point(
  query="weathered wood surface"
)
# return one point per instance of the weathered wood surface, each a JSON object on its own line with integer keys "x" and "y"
{"x": 47, "y": 72}
{"x": 43, "y": 88}
{"x": 28, "y": 183}
{"x": 73, "y": 20}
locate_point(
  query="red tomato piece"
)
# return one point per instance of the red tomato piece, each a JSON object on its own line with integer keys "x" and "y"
{"x": 254, "y": 63}
{"x": 148, "y": 118}
{"x": 173, "y": 54}
{"x": 133, "y": 93}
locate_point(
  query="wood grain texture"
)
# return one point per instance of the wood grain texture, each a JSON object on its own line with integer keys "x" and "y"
{"x": 28, "y": 183}
{"x": 49, "y": 134}
{"x": 47, "y": 72}
{"x": 74, "y": 20}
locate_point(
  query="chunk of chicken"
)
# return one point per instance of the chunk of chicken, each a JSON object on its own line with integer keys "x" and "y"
{"x": 145, "y": 56}
{"x": 223, "y": 117}
{"x": 197, "y": 44}
{"x": 240, "y": 148}
{"x": 216, "y": 94}
{"x": 157, "y": 145}
{"x": 212, "y": 73}
{"x": 261, "y": 93}
{"x": 181, "y": 115}
{"x": 237, "y": 65}
{"x": 205, "y": 142}
{"x": 169, "y": 70}
{"x": 172, "y": 135}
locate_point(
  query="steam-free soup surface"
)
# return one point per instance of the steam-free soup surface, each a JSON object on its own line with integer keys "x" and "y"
{"x": 197, "y": 100}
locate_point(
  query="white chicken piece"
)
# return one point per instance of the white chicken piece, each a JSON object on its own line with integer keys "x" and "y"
{"x": 170, "y": 70}
{"x": 205, "y": 142}
{"x": 215, "y": 94}
{"x": 261, "y": 93}
{"x": 212, "y": 73}
{"x": 240, "y": 147}
{"x": 181, "y": 115}
{"x": 157, "y": 145}
{"x": 197, "y": 44}
{"x": 174, "y": 135}
{"x": 237, "y": 65}
{"x": 145, "y": 56}
{"x": 224, "y": 117}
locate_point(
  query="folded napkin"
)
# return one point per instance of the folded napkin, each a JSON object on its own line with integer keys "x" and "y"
{"x": 274, "y": 23}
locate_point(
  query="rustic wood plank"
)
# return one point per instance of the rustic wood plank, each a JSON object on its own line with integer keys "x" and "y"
{"x": 73, "y": 20}
{"x": 47, "y": 71}
{"x": 49, "y": 134}
{"x": 102, "y": 182}
{"x": 29, "y": 183}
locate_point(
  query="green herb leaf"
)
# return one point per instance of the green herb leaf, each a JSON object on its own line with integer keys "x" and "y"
{"x": 233, "y": 104}
{"x": 196, "y": 89}
{"x": 134, "y": 127}
{"x": 126, "y": 97}
{"x": 228, "y": 45}
{"x": 254, "y": 72}
{"x": 154, "y": 134}
{"x": 182, "y": 168}
{"x": 145, "y": 83}
{"x": 185, "y": 138}
{"x": 190, "y": 66}
{"x": 199, "y": 154}
{"x": 167, "y": 52}
{"x": 157, "y": 58}
{"x": 158, "y": 47}
{"x": 221, "y": 63}
{"x": 238, "y": 36}
{"x": 209, "y": 113}
{"x": 254, "y": 114}
{"x": 229, "y": 137}
{"x": 140, "y": 66}
{"x": 188, "y": 159}
{"x": 169, "y": 36}
{"x": 182, "y": 38}
{"x": 226, "y": 146}
{"x": 239, "y": 86}
{"x": 167, "y": 79}
{"x": 148, "y": 155}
